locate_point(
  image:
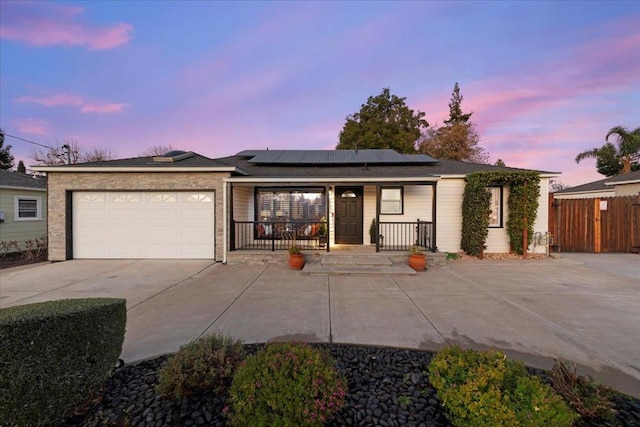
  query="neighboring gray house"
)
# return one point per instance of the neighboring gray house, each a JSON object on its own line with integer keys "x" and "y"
{"x": 23, "y": 207}
{"x": 183, "y": 205}
{"x": 627, "y": 184}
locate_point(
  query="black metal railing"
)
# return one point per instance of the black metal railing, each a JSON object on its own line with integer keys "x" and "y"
{"x": 280, "y": 235}
{"x": 400, "y": 236}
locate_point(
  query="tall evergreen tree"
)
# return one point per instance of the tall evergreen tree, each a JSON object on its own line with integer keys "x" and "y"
{"x": 21, "y": 167}
{"x": 6, "y": 158}
{"x": 385, "y": 121}
{"x": 455, "y": 109}
{"x": 457, "y": 139}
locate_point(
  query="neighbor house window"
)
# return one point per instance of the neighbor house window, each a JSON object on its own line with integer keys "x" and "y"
{"x": 495, "y": 217}
{"x": 27, "y": 208}
{"x": 391, "y": 201}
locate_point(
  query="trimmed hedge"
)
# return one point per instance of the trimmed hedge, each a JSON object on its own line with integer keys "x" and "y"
{"x": 55, "y": 354}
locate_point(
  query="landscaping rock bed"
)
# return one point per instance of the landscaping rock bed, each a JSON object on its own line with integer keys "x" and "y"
{"x": 387, "y": 387}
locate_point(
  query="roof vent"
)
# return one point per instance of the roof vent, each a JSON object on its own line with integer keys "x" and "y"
{"x": 173, "y": 156}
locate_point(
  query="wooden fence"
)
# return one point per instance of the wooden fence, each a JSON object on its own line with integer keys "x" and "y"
{"x": 609, "y": 224}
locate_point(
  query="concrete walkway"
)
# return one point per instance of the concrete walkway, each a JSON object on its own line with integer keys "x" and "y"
{"x": 533, "y": 310}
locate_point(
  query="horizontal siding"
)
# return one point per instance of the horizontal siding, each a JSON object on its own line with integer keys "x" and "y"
{"x": 243, "y": 204}
{"x": 449, "y": 214}
{"x": 594, "y": 195}
{"x": 541, "y": 225}
{"x": 498, "y": 238}
{"x": 21, "y": 231}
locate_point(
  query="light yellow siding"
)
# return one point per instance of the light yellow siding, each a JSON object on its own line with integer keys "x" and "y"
{"x": 627, "y": 190}
{"x": 21, "y": 231}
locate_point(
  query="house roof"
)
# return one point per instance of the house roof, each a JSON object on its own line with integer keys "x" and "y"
{"x": 405, "y": 166}
{"x": 605, "y": 184}
{"x": 297, "y": 164}
{"x": 334, "y": 157}
{"x": 588, "y": 187}
{"x": 625, "y": 178}
{"x": 193, "y": 162}
{"x": 21, "y": 180}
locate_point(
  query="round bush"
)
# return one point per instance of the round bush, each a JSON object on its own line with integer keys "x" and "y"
{"x": 205, "y": 364}
{"x": 286, "y": 384}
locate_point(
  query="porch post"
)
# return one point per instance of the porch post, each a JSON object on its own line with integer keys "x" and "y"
{"x": 232, "y": 225}
{"x": 377, "y": 235}
{"x": 434, "y": 199}
{"x": 326, "y": 214}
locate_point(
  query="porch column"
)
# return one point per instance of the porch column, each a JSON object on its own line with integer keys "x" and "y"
{"x": 232, "y": 226}
{"x": 377, "y": 235}
{"x": 327, "y": 194}
{"x": 434, "y": 199}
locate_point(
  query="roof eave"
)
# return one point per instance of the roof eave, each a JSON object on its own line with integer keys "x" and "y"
{"x": 144, "y": 169}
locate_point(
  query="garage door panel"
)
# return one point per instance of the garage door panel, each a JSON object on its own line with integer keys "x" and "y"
{"x": 143, "y": 225}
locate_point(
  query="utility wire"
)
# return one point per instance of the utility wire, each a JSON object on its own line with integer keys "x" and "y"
{"x": 26, "y": 140}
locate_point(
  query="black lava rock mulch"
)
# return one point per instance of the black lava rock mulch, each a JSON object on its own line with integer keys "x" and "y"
{"x": 387, "y": 387}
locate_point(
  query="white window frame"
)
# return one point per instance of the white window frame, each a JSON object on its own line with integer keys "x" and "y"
{"x": 495, "y": 217}
{"x": 16, "y": 208}
{"x": 387, "y": 199}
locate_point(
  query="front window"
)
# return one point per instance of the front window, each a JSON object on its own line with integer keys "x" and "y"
{"x": 495, "y": 217}
{"x": 391, "y": 201}
{"x": 290, "y": 204}
{"x": 27, "y": 208}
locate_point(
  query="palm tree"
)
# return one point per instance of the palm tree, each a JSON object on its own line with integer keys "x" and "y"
{"x": 627, "y": 151}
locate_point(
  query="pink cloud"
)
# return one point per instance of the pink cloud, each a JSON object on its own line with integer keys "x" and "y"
{"x": 73, "y": 100}
{"x": 31, "y": 126}
{"x": 103, "y": 108}
{"x": 46, "y": 24}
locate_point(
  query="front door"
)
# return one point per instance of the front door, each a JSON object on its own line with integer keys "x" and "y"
{"x": 348, "y": 215}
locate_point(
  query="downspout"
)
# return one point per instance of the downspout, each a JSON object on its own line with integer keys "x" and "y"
{"x": 224, "y": 221}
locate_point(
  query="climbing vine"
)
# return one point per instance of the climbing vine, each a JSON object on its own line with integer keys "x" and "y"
{"x": 524, "y": 191}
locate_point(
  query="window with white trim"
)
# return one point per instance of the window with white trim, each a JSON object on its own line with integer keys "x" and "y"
{"x": 27, "y": 208}
{"x": 495, "y": 217}
{"x": 391, "y": 201}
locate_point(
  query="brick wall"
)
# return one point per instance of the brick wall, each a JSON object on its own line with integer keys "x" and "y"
{"x": 61, "y": 182}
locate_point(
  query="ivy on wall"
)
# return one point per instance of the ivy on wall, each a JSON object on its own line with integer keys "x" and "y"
{"x": 476, "y": 207}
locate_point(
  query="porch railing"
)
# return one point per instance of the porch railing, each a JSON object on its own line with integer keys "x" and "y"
{"x": 400, "y": 236}
{"x": 279, "y": 235}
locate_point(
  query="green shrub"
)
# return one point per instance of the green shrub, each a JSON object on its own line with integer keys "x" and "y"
{"x": 484, "y": 388}
{"x": 286, "y": 384}
{"x": 588, "y": 398}
{"x": 55, "y": 354}
{"x": 205, "y": 364}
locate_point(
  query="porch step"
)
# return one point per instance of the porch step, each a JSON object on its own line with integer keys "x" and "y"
{"x": 356, "y": 265}
{"x": 366, "y": 260}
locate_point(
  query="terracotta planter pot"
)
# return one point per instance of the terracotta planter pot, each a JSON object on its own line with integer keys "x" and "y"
{"x": 296, "y": 262}
{"x": 418, "y": 262}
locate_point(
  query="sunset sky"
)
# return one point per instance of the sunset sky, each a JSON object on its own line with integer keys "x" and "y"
{"x": 545, "y": 80}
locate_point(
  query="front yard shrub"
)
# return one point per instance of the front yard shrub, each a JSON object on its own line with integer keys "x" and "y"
{"x": 588, "y": 398}
{"x": 205, "y": 364}
{"x": 286, "y": 384}
{"x": 484, "y": 388}
{"x": 55, "y": 354}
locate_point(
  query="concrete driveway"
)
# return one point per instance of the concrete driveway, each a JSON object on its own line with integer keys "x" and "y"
{"x": 571, "y": 308}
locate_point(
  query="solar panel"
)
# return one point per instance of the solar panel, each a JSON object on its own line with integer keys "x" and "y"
{"x": 333, "y": 157}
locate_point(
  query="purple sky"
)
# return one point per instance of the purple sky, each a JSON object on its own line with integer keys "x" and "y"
{"x": 545, "y": 80}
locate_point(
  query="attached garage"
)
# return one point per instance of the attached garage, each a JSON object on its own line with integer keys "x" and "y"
{"x": 143, "y": 224}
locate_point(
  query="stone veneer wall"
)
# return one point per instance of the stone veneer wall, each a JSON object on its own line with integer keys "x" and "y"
{"x": 61, "y": 182}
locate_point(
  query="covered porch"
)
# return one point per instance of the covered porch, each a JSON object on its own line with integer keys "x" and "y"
{"x": 384, "y": 215}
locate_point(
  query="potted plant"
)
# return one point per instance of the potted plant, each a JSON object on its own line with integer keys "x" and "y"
{"x": 296, "y": 258}
{"x": 373, "y": 232}
{"x": 322, "y": 233}
{"x": 417, "y": 258}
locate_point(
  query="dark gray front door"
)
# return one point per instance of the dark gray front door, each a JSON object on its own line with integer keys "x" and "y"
{"x": 348, "y": 215}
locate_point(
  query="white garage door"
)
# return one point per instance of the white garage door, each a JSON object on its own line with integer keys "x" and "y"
{"x": 143, "y": 225}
